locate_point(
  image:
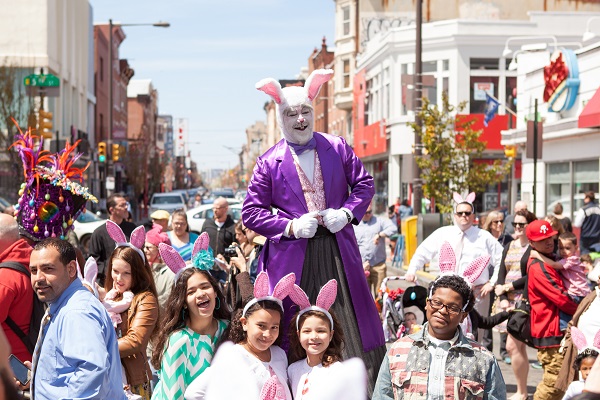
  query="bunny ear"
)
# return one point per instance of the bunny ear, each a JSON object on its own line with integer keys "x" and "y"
{"x": 327, "y": 295}
{"x": 578, "y": 338}
{"x": 271, "y": 87}
{"x": 314, "y": 82}
{"x": 298, "y": 296}
{"x": 475, "y": 268}
{"x": 115, "y": 232}
{"x": 201, "y": 243}
{"x": 284, "y": 286}
{"x": 470, "y": 197}
{"x": 90, "y": 271}
{"x": 457, "y": 198}
{"x": 269, "y": 389}
{"x": 171, "y": 257}
{"x": 261, "y": 285}
{"x": 138, "y": 237}
{"x": 447, "y": 258}
{"x": 597, "y": 340}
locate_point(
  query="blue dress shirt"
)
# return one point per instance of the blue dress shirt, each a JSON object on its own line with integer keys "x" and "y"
{"x": 79, "y": 356}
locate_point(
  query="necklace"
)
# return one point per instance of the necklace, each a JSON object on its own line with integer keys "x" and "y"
{"x": 250, "y": 348}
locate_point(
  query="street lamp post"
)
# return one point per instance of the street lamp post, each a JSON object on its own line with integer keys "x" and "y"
{"x": 417, "y": 104}
{"x": 109, "y": 162}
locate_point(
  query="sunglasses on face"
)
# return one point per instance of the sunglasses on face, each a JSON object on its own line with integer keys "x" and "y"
{"x": 519, "y": 224}
{"x": 500, "y": 221}
{"x": 463, "y": 213}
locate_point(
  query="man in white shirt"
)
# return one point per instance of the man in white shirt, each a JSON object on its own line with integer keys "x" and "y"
{"x": 468, "y": 242}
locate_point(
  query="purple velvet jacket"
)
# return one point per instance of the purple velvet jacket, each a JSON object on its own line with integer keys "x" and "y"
{"x": 275, "y": 197}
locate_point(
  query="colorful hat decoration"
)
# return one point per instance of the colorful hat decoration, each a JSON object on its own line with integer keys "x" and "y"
{"x": 581, "y": 343}
{"x": 325, "y": 300}
{"x": 468, "y": 200}
{"x": 52, "y": 197}
{"x": 261, "y": 290}
{"x": 138, "y": 237}
{"x": 202, "y": 255}
{"x": 447, "y": 264}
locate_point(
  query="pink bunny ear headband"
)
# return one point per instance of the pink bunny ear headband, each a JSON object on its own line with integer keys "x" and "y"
{"x": 202, "y": 256}
{"x": 325, "y": 300}
{"x": 580, "y": 341}
{"x": 447, "y": 264}
{"x": 138, "y": 238}
{"x": 261, "y": 290}
{"x": 468, "y": 200}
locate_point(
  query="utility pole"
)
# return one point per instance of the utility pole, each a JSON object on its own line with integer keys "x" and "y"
{"x": 417, "y": 104}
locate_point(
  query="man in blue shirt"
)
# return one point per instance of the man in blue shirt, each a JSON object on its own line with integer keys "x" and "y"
{"x": 370, "y": 236}
{"x": 77, "y": 354}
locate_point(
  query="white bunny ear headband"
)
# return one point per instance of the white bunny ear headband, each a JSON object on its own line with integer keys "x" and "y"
{"x": 261, "y": 290}
{"x": 294, "y": 95}
{"x": 90, "y": 272}
{"x": 447, "y": 264}
{"x": 325, "y": 300}
{"x": 138, "y": 238}
{"x": 580, "y": 341}
{"x": 468, "y": 200}
{"x": 202, "y": 255}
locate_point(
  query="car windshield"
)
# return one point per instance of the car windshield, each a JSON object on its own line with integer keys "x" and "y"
{"x": 167, "y": 200}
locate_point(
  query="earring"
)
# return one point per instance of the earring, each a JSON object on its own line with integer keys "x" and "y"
{"x": 218, "y": 303}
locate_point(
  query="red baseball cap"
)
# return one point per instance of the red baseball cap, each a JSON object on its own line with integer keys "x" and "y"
{"x": 539, "y": 230}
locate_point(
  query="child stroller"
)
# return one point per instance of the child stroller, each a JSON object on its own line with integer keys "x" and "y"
{"x": 396, "y": 302}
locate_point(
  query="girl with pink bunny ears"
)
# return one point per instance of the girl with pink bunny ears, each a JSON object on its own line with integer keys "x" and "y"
{"x": 316, "y": 344}
{"x": 195, "y": 321}
{"x": 131, "y": 298}
{"x": 583, "y": 362}
{"x": 256, "y": 331}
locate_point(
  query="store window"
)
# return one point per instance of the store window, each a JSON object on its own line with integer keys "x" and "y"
{"x": 585, "y": 177}
{"x": 484, "y": 63}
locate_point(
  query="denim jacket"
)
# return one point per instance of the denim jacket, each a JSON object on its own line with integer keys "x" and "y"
{"x": 471, "y": 371}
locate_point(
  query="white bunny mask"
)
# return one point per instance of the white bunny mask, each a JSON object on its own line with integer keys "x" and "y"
{"x": 294, "y": 108}
{"x": 325, "y": 300}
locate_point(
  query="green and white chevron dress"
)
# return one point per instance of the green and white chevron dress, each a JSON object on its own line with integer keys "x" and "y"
{"x": 188, "y": 355}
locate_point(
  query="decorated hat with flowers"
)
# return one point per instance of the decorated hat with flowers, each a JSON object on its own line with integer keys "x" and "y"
{"x": 52, "y": 196}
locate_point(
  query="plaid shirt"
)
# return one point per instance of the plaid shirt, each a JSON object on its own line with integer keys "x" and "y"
{"x": 471, "y": 371}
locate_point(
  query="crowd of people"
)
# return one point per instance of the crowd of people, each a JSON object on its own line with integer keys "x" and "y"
{"x": 279, "y": 305}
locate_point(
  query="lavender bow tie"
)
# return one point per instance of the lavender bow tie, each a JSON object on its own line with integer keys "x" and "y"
{"x": 299, "y": 148}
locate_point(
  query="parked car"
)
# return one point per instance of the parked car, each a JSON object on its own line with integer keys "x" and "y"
{"x": 167, "y": 201}
{"x": 566, "y": 203}
{"x": 198, "y": 215}
{"x": 85, "y": 225}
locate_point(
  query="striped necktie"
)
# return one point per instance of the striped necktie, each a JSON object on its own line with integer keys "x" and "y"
{"x": 38, "y": 345}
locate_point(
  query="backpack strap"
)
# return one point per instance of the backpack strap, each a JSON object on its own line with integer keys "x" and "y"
{"x": 17, "y": 266}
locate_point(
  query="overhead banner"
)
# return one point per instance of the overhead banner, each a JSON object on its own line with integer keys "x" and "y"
{"x": 181, "y": 136}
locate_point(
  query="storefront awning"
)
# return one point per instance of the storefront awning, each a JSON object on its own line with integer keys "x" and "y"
{"x": 590, "y": 116}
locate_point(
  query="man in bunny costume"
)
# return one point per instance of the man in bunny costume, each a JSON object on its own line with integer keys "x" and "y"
{"x": 468, "y": 242}
{"x": 303, "y": 195}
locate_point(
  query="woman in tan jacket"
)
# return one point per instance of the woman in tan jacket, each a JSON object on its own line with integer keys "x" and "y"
{"x": 128, "y": 271}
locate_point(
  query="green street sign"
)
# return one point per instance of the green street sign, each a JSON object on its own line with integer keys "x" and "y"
{"x": 47, "y": 80}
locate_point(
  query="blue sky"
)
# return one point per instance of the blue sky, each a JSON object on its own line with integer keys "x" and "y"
{"x": 206, "y": 64}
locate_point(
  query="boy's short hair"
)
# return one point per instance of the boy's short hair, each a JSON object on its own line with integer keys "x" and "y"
{"x": 570, "y": 236}
{"x": 459, "y": 285}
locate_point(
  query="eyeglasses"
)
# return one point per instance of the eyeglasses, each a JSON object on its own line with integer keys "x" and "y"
{"x": 519, "y": 224}
{"x": 463, "y": 213}
{"x": 500, "y": 221}
{"x": 438, "y": 305}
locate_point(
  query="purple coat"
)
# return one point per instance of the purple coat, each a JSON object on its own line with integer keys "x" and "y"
{"x": 275, "y": 183}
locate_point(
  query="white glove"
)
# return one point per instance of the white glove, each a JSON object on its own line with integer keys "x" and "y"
{"x": 334, "y": 220}
{"x": 305, "y": 226}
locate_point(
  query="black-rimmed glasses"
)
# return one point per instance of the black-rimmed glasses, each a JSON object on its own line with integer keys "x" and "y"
{"x": 438, "y": 305}
{"x": 463, "y": 213}
{"x": 519, "y": 224}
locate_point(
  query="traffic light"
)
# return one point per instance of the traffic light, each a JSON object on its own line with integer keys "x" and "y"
{"x": 116, "y": 152}
{"x": 45, "y": 124}
{"x": 510, "y": 151}
{"x": 102, "y": 152}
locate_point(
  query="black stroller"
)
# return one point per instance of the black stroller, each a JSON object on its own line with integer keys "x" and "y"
{"x": 397, "y": 302}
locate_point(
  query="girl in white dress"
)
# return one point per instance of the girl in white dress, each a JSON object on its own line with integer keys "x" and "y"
{"x": 316, "y": 344}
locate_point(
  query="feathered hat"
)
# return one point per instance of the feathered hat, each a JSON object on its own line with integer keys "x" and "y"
{"x": 52, "y": 196}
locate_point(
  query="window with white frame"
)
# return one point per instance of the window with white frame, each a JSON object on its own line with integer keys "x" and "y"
{"x": 346, "y": 73}
{"x": 346, "y": 20}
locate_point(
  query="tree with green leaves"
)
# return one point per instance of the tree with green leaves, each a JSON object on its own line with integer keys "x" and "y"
{"x": 451, "y": 153}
